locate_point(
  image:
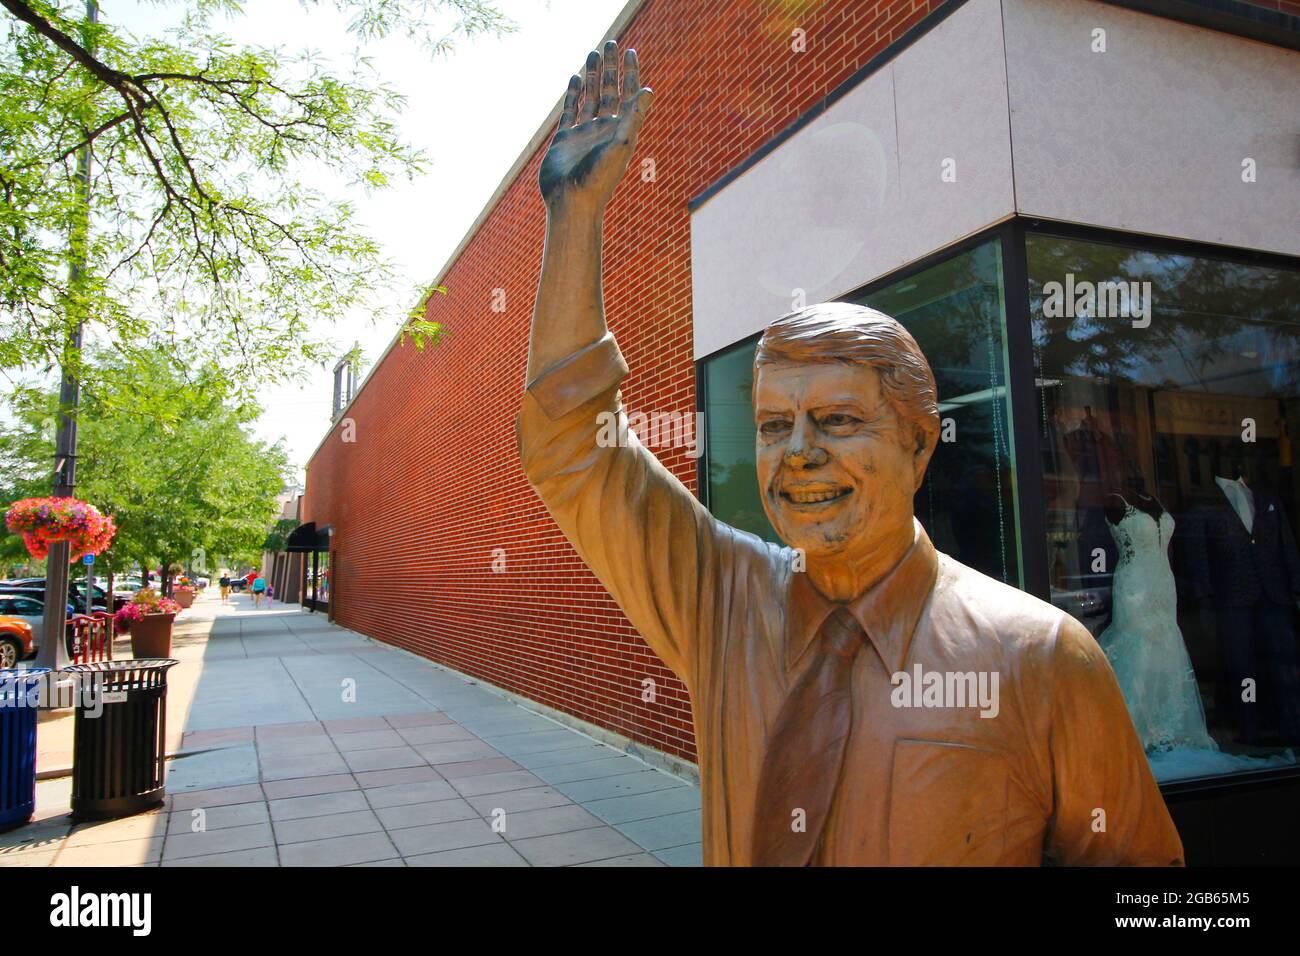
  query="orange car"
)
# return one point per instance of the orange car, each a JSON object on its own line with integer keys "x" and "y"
{"x": 15, "y": 640}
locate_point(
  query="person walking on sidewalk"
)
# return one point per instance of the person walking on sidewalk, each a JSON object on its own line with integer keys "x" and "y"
{"x": 224, "y": 584}
{"x": 259, "y": 591}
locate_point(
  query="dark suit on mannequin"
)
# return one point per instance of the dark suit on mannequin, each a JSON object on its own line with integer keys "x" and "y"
{"x": 1251, "y": 579}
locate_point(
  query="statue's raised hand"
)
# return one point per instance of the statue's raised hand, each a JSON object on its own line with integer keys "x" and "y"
{"x": 593, "y": 145}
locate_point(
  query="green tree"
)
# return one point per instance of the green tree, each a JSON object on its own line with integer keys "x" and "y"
{"x": 168, "y": 454}
{"x": 202, "y": 228}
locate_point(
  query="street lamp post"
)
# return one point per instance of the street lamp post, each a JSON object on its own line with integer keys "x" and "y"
{"x": 53, "y": 652}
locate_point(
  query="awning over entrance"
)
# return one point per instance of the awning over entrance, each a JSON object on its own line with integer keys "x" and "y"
{"x": 307, "y": 537}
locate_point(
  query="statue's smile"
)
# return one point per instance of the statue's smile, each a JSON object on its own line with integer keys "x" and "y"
{"x": 805, "y": 496}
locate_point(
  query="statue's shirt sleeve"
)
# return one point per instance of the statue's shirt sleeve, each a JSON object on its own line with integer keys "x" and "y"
{"x": 1109, "y": 810}
{"x": 644, "y": 535}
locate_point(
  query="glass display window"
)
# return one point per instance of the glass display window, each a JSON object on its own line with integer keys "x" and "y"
{"x": 1168, "y": 388}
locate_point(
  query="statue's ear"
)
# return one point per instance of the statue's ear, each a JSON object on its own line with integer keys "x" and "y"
{"x": 925, "y": 445}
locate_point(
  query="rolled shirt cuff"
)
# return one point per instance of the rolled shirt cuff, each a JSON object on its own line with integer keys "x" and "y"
{"x": 582, "y": 376}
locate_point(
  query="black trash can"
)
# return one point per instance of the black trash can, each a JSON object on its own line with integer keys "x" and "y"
{"x": 119, "y": 737}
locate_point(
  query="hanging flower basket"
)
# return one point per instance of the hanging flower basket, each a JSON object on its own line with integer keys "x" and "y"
{"x": 42, "y": 521}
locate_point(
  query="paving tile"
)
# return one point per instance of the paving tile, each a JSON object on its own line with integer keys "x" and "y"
{"x": 309, "y": 786}
{"x": 514, "y": 801}
{"x": 123, "y": 853}
{"x": 412, "y": 841}
{"x": 689, "y": 855}
{"x": 350, "y": 725}
{"x": 296, "y": 746}
{"x": 456, "y": 751}
{"x": 182, "y": 845}
{"x": 624, "y": 785}
{"x": 387, "y": 758}
{"x": 473, "y": 768}
{"x": 555, "y": 758}
{"x": 218, "y": 738}
{"x": 213, "y": 769}
{"x": 386, "y": 778}
{"x": 514, "y": 724}
{"x": 339, "y": 851}
{"x": 491, "y": 854}
{"x": 579, "y": 846}
{"x": 318, "y": 805}
{"x": 263, "y": 856}
{"x": 662, "y": 833}
{"x": 368, "y": 740}
{"x": 43, "y": 858}
{"x": 642, "y": 806}
{"x": 35, "y": 836}
{"x": 636, "y": 859}
{"x": 139, "y": 827}
{"x": 400, "y": 794}
{"x": 396, "y": 861}
{"x": 307, "y": 829}
{"x": 435, "y": 733}
{"x": 272, "y": 731}
{"x": 400, "y": 721}
{"x": 217, "y": 818}
{"x": 309, "y": 765}
{"x": 611, "y": 766}
{"x": 495, "y": 783}
{"x": 539, "y": 742}
{"x": 221, "y": 796}
{"x": 424, "y": 814}
{"x": 535, "y": 823}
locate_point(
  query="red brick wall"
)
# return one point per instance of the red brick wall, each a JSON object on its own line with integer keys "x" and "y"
{"x": 432, "y": 483}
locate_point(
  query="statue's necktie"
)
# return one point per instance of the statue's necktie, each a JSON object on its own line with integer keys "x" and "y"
{"x": 805, "y": 751}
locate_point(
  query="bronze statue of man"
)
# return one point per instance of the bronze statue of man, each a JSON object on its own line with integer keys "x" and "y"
{"x": 859, "y": 698}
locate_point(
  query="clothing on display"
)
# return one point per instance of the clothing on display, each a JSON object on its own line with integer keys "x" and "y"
{"x": 1243, "y": 560}
{"x": 1143, "y": 642}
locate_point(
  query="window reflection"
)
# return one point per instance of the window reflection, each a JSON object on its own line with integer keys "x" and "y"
{"x": 1170, "y": 490}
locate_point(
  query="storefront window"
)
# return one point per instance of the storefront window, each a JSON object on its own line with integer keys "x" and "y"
{"x": 1168, "y": 387}
{"x": 967, "y": 502}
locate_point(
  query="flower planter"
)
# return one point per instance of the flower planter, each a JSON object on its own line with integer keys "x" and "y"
{"x": 183, "y": 598}
{"x": 151, "y": 636}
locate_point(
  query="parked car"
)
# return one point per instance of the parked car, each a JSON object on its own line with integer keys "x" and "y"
{"x": 30, "y": 611}
{"x": 239, "y": 584}
{"x": 15, "y": 640}
{"x": 35, "y": 588}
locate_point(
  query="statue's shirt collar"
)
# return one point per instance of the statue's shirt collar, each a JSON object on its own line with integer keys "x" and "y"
{"x": 888, "y": 611}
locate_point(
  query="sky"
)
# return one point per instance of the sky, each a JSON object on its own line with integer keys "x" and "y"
{"x": 471, "y": 111}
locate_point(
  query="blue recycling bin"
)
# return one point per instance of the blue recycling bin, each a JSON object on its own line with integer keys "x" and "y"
{"x": 19, "y": 694}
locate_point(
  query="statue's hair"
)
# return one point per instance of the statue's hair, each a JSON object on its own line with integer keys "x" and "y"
{"x": 844, "y": 332}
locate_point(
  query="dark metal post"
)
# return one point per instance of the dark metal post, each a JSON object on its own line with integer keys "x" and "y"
{"x": 53, "y": 651}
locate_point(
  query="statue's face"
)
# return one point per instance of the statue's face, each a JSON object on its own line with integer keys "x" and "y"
{"x": 836, "y": 473}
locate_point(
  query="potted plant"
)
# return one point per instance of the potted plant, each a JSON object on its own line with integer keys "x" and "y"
{"x": 183, "y": 593}
{"x": 148, "y": 618}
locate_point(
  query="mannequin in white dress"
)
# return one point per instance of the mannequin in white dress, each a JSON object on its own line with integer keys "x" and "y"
{"x": 1143, "y": 642}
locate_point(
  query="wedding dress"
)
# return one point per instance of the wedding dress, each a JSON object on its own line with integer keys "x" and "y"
{"x": 1143, "y": 642}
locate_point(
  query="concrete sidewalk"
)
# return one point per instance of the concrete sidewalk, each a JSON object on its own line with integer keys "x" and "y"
{"x": 304, "y": 744}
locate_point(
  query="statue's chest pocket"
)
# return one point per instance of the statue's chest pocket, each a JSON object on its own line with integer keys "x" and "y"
{"x": 947, "y": 805}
